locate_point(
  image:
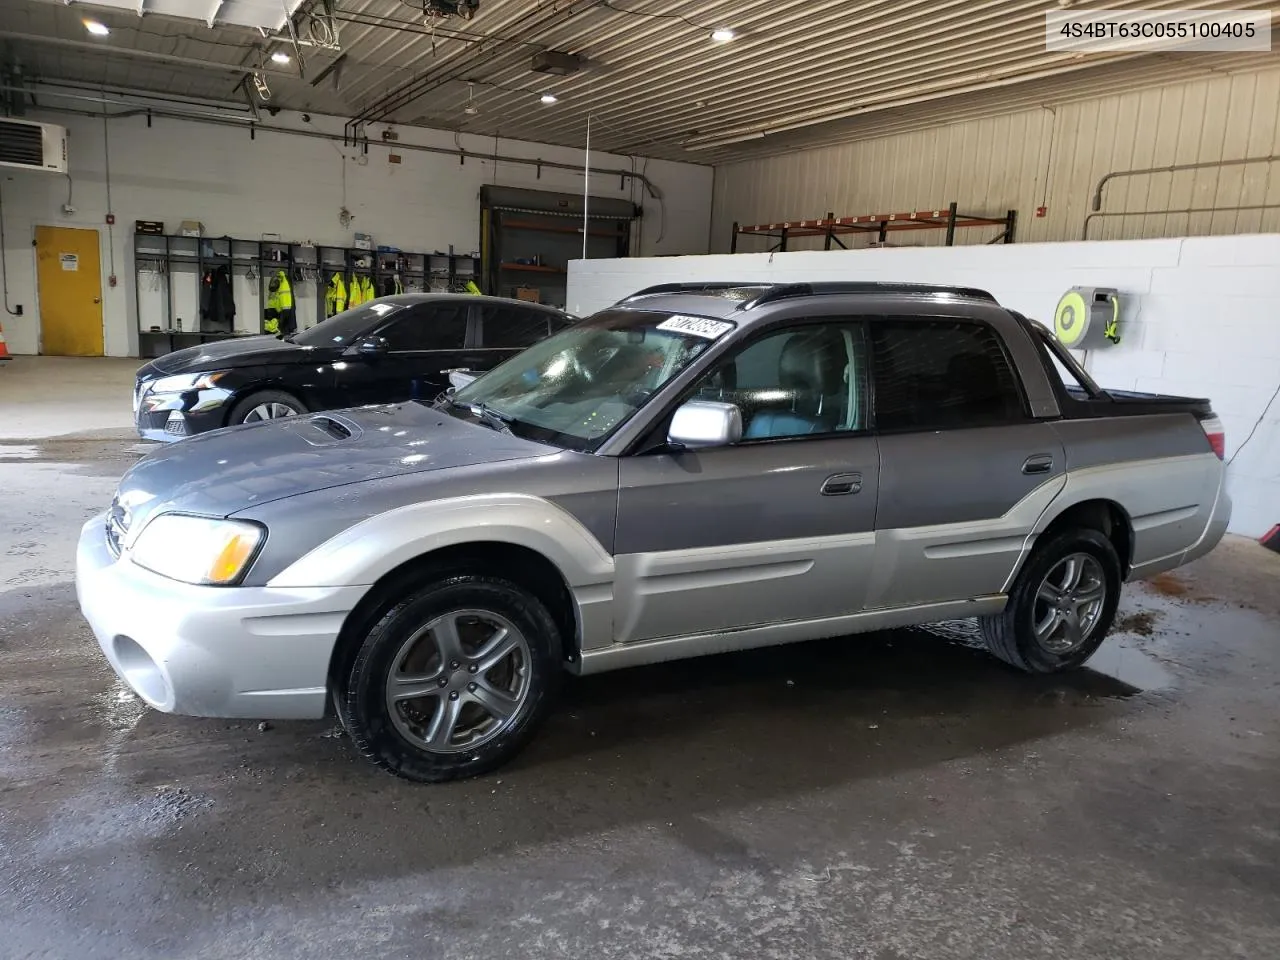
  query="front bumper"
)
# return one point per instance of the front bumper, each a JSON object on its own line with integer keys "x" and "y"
{"x": 172, "y": 416}
{"x": 259, "y": 652}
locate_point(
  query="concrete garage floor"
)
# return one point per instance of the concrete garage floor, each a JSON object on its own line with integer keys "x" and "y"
{"x": 890, "y": 797}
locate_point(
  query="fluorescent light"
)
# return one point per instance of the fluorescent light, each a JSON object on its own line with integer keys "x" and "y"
{"x": 96, "y": 28}
{"x": 711, "y": 144}
{"x": 280, "y": 57}
{"x": 722, "y": 35}
{"x": 549, "y": 98}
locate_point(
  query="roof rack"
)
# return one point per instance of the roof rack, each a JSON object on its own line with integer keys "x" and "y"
{"x": 784, "y": 291}
{"x": 692, "y": 287}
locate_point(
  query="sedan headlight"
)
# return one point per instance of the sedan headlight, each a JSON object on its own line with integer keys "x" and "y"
{"x": 197, "y": 549}
{"x": 187, "y": 381}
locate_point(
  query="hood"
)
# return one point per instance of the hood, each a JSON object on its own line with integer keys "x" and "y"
{"x": 224, "y": 471}
{"x": 234, "y": 352}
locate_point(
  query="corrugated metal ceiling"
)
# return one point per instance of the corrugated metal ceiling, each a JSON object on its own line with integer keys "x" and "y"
{"x": 799, "y": 72}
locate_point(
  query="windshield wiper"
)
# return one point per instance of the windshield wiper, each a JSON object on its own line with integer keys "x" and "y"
{"x": 485, "y": 414}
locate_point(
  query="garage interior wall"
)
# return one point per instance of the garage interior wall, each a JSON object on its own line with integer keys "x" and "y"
{"x": 1051, "y": 156}
{"x": 1198, "y": 318}
{"x": 294, "y": 186}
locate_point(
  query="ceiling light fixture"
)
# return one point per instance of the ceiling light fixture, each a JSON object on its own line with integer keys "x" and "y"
{"x": 280, "y": 57}
{"x": 96, "y": 28}
{"x": 722, "y": 35}
{"x": 549, "y": 98}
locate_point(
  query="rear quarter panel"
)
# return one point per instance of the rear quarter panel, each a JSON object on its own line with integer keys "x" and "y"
{"x": 1158, "y": 468}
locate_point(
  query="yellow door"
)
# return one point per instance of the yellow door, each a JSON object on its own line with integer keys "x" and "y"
{"x": 69, "y": 276}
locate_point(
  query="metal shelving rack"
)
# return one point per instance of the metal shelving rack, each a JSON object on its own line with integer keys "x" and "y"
{"x": 160, "y": 254}
{"x": 831, "y": 227}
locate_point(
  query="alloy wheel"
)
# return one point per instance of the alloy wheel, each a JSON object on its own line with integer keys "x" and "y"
{"x": 1069, "y": 603}
{"x": 270, "y": 411}
{"x": 459, "y": 681}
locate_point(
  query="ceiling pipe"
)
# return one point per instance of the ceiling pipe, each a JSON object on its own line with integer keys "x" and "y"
{"x": 256, "y": 127}
{"x": 123, "y": 52}
{"x": 1173, "y": 168}
{"x": 110, "y": 94}
{"x": 134, "y": 110}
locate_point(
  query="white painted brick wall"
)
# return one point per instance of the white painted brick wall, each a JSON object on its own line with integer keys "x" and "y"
{"x": 294, "y": 186}
{"x": 1201, "y": 318}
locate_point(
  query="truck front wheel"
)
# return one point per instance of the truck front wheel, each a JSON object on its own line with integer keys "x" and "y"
{"x": 1061, "y": 606}
{"x": 453, "y": 679}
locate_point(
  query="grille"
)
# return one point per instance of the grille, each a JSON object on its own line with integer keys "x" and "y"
{"x": 22, "y": 143}
{"x": 117, "y": 526}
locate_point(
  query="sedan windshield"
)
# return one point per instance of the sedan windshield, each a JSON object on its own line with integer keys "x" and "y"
{"x": 576, "y": 387}
{"x": 341, "y": 329}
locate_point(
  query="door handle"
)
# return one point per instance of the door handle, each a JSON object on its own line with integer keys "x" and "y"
{"x": 1038, "y": 463}
{"x": 840, "y": 484}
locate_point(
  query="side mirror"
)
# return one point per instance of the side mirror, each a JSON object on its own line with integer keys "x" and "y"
{"x": 705, "y": 423}
{"x": 460, "y": 378}
{"x": 372, "y": 347}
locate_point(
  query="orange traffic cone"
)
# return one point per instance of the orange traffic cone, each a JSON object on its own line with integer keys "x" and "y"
{"x": 4, "y": 350}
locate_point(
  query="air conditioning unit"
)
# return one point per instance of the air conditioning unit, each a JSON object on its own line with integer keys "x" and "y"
{"x": 29, "y": 145}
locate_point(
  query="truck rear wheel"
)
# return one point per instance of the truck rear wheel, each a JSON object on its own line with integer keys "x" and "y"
{"x": 453, "y": 680}
{"x": 1061, "y": 606}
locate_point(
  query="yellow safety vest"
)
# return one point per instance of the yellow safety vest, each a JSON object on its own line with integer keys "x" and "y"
{"x": 281, "y": 297}
{"x": 367, "y": 292}
{"x": 335, "y": 297}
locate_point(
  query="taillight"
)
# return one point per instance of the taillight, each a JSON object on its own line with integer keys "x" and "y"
{"x": 1217, "y": 437}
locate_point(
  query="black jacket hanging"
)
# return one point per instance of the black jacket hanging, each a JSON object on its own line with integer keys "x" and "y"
{"x": 217, "y": 308}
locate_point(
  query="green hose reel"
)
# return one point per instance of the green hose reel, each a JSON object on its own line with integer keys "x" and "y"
{"x": 1088, "y": 317}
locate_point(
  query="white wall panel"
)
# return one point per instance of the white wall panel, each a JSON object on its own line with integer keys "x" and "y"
{"x": 294, "y": 186}
{"x": 1052, "y": 155}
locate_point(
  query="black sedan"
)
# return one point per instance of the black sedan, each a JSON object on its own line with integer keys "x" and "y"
{"x": 388, "y": 350}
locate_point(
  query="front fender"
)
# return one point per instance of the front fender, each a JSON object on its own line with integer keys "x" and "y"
{"x": 363, "y": 553}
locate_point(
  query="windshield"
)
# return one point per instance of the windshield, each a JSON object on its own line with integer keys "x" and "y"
{"x": 342, "y": 328}
{"x": 577, "y": 386}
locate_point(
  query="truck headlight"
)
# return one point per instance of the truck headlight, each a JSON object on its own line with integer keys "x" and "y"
{"x": 197, "y": 549}
{"x": 187, "y": 381}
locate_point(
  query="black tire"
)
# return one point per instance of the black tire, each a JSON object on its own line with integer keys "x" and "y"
{"x": 362, "y": 699}
{"x": 1011, "y": 635}
{"x": 264, "y": 397}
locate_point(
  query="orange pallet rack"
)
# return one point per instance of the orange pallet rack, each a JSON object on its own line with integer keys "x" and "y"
{"x": 831, "y": 227}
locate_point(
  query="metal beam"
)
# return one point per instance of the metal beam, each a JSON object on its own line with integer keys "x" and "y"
{"x": 213, "y": 13}
{"x": 120, "y": 51}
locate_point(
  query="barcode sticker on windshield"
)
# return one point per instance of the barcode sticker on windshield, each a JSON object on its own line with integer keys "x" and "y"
{"x": 696, "y": 326}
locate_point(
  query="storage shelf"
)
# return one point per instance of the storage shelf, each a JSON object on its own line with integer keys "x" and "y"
{"x": 532, "y": 268}
{"x": 166, "y": 256}
{"x": 831, "y": 227}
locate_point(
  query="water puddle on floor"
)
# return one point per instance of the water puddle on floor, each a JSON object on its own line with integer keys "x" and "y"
{"x": 1117, "y": 670}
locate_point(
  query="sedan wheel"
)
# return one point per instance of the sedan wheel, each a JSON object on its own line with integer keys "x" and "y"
{"x": 459, "y": 682}
{"x": 270, "y": 411}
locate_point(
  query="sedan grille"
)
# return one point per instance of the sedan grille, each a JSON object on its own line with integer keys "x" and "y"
{"x": 117, "y": 527}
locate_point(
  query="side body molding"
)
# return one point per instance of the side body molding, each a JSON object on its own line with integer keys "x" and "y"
{"x": 361, "y": 554}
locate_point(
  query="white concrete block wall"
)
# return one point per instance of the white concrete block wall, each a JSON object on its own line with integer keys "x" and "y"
{"x": 1201, "y": 318}
{"x": 294, "y": 186}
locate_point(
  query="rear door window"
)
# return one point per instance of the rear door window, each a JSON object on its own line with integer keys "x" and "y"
{"x": 941, "y": 374}
{"x": 513, "y": 327}
{"x": 429, "y": 327}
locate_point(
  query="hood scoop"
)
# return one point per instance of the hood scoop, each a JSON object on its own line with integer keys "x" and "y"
{"x": 326, "y": 429}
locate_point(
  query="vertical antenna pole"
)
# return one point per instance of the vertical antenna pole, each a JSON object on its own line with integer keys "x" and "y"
{"x": 586, "y": 187}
